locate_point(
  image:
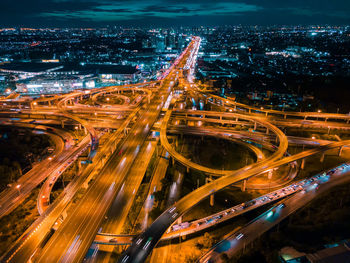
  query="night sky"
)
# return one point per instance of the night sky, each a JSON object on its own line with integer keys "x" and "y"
{"x": 72, "y": 13}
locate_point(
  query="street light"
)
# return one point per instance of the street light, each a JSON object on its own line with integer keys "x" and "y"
{"x": 18, "y": 187}
{"x": 319, "y": 111}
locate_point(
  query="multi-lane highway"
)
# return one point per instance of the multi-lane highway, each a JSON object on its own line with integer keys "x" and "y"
{"x": 311, "y": 188}
{"x": 19, "y": 191}
{"x": 71, "y": 241}
{"x": 119, "y": 164}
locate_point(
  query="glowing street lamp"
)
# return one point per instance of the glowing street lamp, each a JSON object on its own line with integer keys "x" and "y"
{"x": 18, "y": 187}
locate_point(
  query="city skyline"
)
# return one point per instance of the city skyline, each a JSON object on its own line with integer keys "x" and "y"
{"x": 71, "y": 13}
{"x": 175, "y": 131}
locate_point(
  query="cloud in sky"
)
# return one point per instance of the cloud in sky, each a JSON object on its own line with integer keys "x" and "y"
{"x": 172, "y": 12}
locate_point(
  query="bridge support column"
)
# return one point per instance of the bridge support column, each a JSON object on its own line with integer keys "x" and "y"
{"x": 173, "y": 160}
{"x": 302, "y": 165}
{"x": 325, "y": 120}
{"x": 188, "y": 169}
{"x": 179, "y": 220}
{"x": 250, "y": 111}
{"x": 235, "y": 107}
{"x": 267, "y": 130}
{"x": 269, "y": 174}
{"x": 285, "y": 116}
{"x": 322, "y": 157}
{"x": 85, "y": 131}
{"x": 340, "y": 150}
{"x": 62, "y": 124}
{"x": 49, "y": 103}
{"x": 255, "y": 125}
{"x": 212, "y": 200}
{"x": 244, "y": 185}
{"x": 149, "y": 99}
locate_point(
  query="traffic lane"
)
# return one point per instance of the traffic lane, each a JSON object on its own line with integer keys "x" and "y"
{"x": 237, "y": 240}
{"x": 27, "y": 245}
{"x": 151, "y": 113}
{"x": 118, "y": 212}
{"x": 11, "y": 197}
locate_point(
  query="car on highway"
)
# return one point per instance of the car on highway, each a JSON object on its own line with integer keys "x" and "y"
{"x": 239, "y": 236}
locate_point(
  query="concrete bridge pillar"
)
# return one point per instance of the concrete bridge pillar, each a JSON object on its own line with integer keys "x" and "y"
{"x": 244, "y": 185}
{"x": 212, "y": 200}
{"x": 255, "y": 125}
{"x": 179, "y": 220}
{"x": 62, "y": 124}
{"x": 325, "y": 120}
{"x": 85, "y": 131}
{"x": 340, "y": 150}
{"x": 267, "y": 130}
{"x": 302, "y": 165}
{"x": 269, "y": 174}
{"x": 250, "y": 111}
{"x": 322, "y": 157}
{"x": 188, "y": 169}
{"x": 285, "y": 116}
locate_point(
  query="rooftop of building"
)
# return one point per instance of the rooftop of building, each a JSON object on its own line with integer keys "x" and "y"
{"x": 97, "y": 69}
{"x": 34, "y": 67}
{"x": 31, "y": 67}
